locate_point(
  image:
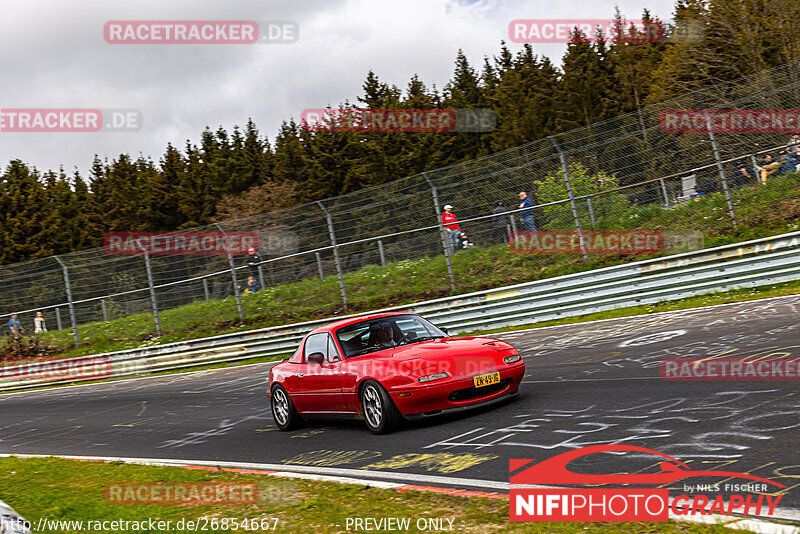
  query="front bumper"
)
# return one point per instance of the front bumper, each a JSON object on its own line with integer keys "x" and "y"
{"x": 454, "y": 395}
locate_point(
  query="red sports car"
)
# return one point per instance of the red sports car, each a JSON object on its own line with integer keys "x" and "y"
{"x": 390, "y": 366}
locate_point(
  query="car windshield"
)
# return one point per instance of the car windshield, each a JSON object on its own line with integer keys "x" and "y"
{"x": 385, "y": 332}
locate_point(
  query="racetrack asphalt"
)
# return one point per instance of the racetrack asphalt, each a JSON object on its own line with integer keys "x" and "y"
{"x": 586, "y": 384}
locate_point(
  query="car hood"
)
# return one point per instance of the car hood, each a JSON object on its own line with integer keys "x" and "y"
{"x": 459, "y": 357}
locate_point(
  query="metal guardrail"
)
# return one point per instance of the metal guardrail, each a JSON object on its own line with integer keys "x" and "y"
{"x": 748, "y": 264}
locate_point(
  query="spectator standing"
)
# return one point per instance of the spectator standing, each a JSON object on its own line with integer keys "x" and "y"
{"x": 794, "y": 143}
{"x": 526, "y": 205}
{"x": 38, "y": 324}
{"x": 15, "y": 326}
{"x": 500, "y": 222}
{"x": 253, "y": 259}
{"x": 450, "y": 222}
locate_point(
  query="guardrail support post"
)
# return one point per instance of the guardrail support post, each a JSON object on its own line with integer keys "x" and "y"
{"x": 571, "y": 198}
{"x": 319, "y": 265}
{"x": 381, "y": 254}
{"x": 233, "y": 276}
{"x": 69, "y": 300}
{"x": 335, "y": 253}
{"x": 445, "y": 238}
{"x": 58, "y": 319}
{"x": 105, "y": 310}
{"x": 205, "y": 289}
{"x": 153, "y": 298}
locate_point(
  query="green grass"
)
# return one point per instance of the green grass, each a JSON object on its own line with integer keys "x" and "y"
{"x": 762, "y": 211}
{"x": 58, "y": 489}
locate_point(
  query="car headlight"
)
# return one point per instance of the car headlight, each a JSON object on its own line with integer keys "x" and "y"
{"x": 512, "y": 359}
{"x": 433, "y": 377}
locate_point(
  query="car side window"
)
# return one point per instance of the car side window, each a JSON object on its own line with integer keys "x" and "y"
{"x": 316, "y": 343}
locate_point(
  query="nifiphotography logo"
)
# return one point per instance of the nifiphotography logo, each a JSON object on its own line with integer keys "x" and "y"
{"x": 628, "y": 504}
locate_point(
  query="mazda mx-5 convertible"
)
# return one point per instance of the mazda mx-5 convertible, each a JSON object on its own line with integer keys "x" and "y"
{"x": 388, "y": 367}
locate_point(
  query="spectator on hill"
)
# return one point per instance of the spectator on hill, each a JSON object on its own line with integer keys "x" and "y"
{"x": 500, "y": 222}
{"x": 788, "y": 163}
{"x": 794, "y": 143}
{"x": 743, "y": 175}
{"x": 464, "y": 242}
{"x": 251, "y": 286}
{"x": 526, "y": 204}
{"x": 768, "y": 167}
{"x": 450, "y": 222}
{"x": 15, "y": 326}
{"x": 253, "y": 259}
{"x": 38, "y": 324}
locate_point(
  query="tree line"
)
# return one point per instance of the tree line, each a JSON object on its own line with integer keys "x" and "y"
{"x": 238, "y": 173}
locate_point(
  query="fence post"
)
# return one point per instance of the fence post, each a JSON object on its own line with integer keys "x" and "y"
{"x": 335, "y": 253}
{"x": 591, "y": 212}
{"x": 380, "y": 253}
{"x": 233, "y": 276}
{"x": 664, "y": 192}
{"x": 571, "y": 198}
{"x": 153, "y": 298}
{"x": 105, "y": 310}
{"x": 58, "y": 319}
{"x": 445, "y": 238}
{"x": 755, "y": 168}
{"x": 69, "y": 300}
{"x": 261, "y": 277}
{"x": 205, "y": 289}
{"x": 319, "y": 265}
{"x": 720, "y": 169}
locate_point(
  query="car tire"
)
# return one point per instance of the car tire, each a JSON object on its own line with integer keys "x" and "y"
{"x": 283, "y": 411}
{"x": 378, "y": 409}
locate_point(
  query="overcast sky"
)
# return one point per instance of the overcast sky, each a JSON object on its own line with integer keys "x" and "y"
{"x": 54, "y": 56}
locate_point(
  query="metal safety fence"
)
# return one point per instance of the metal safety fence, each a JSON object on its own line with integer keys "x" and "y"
{"x": 741, "y": 265}
{"x": 626, "y": 173}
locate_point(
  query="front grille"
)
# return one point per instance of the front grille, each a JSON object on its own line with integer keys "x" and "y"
{"x": 473, "y": 392}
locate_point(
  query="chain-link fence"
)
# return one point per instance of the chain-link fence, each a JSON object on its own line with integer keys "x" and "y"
{"x": 631, "y": 172}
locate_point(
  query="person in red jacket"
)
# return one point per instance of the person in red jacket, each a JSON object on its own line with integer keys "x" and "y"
{"x": 450, "y": 223}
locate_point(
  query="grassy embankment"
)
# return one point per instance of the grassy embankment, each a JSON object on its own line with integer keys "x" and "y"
{"x": 476, "y": 269}
{"x": 66, "y": 490}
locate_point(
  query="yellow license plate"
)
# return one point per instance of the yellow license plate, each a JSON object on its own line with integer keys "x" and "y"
{"x": 486, "y": 380}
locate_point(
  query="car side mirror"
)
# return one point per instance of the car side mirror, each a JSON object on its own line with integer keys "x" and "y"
{"x": 315, "y": 357}
{"x": 443, "y": 329}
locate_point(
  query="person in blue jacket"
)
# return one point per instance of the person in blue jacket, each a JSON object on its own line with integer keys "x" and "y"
{"x": 526, "y": 214}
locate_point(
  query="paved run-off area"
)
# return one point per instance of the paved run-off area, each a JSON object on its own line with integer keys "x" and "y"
{"x": 586, "y": 384}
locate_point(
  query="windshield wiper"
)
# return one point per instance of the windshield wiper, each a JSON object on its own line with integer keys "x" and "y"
{"x": 423, "y": 338}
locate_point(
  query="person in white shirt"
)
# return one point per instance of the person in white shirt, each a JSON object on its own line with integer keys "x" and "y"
{"x": 38, "y": 324}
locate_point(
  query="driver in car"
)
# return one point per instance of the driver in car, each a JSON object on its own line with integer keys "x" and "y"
{"x": 383, "y": 335}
